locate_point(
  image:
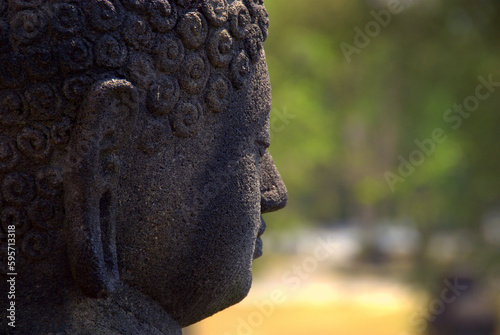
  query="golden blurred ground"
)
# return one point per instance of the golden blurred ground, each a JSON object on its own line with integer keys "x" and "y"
{"x": 300, "y": 320}
{"x": 321, "y": 304}
{"x": 321, "y": 301}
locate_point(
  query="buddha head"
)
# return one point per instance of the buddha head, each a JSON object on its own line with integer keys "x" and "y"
{"x": 133, "y": 150}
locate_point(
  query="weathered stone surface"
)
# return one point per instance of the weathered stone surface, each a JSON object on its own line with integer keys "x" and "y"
{"x": 133, "y": 161}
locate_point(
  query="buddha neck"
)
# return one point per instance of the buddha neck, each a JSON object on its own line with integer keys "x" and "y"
{"x": 124, "y": 312}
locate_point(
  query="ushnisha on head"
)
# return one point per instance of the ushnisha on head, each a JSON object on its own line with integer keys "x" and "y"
{"x": 133, "y": 149}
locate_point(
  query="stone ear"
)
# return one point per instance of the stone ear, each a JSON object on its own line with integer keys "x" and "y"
{"x": 104, "y": 125}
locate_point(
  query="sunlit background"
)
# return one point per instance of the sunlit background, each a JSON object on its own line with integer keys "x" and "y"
{"x": 386, "y": 130}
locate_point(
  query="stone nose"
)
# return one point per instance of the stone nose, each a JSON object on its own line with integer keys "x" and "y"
{"x": 272, "y": 188}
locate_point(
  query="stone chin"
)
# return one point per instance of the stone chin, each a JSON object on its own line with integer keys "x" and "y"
{"x": 220, "y": 293}
{"x": 213, "y": 291}
{"x": 234, "y": 293}
{"x": 208, "y": 294}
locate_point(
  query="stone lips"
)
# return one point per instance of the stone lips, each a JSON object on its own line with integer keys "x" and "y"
{"x": 185, "y": 58}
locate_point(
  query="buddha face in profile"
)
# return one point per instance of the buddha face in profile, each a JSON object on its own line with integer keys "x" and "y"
{"x": 133, "y": 145}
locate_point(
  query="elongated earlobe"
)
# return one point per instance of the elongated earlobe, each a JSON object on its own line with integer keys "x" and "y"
{"x": 105, "y": 123}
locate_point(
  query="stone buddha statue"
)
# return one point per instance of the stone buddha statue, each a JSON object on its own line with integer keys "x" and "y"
{"x": 133, "y": 162}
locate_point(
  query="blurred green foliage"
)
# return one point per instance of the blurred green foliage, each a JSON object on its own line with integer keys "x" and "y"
{"x": 339, "y": 126}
